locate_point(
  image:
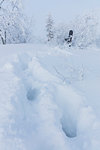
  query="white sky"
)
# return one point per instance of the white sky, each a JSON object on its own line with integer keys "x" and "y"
{"x": 61, "y": 10}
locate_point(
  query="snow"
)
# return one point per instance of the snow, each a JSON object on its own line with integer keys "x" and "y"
{"x": 49, "y": 98}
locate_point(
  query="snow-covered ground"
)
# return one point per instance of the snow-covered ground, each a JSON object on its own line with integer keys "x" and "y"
{"x": 49, "y": 98}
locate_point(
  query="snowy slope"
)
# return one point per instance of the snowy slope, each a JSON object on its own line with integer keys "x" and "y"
{"x": 49, "y": 98}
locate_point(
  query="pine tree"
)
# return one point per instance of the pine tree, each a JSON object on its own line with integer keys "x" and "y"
{"x": 50, "y": 28}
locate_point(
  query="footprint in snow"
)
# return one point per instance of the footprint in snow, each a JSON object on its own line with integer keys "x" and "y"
{"x": 32, "y": 94}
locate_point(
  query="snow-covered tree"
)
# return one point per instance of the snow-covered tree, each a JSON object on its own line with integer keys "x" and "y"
{"x": 86, "y": 30}
{"x": 50, "y": 28}
{"x": 61, "y": 32}
{"x": 13, "y": 24}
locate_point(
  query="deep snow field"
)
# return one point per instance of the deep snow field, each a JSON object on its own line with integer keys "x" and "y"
{"x": 49, "y": 98}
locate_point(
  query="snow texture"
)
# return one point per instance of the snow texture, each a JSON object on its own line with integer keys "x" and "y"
{"x": 49, "y": 98}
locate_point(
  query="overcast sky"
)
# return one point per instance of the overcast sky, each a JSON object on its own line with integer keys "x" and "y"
{"x": 61, "y": 10}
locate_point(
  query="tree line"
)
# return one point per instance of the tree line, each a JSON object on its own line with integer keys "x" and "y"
{"x": 15, "y": 27}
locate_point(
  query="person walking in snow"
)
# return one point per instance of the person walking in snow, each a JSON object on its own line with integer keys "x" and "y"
{"x": 69, "y": 39}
